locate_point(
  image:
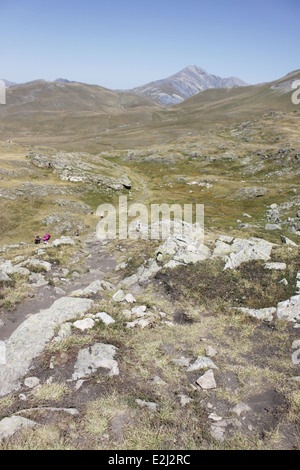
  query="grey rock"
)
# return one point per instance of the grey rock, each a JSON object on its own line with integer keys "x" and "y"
{"x": 31, "y": 382}
{"x": 207, "y": 380}
{"x": 107, "y": 319}
{"x": 37, "y": 263}
{"x": 119, "y": 296}
{"x": 139, "y": 311}
{"x": 147, "y": 404}
{"x": 287, "y": 241}
{"x": 63, "y": 241}
{"x": 182, "y": 361}
{"x": 202, "y": 362}
{"x": 185, "y": 400}
{"x": 210, "y": 351}
{"x": 85, "y": 324}
{"x": 272, "y": 227}
{"x": 9, "y": 426}
{"x": 90, "y": 359}
{"x": 219, "y": 429}
{"x": 289, "y": 309}
{"x": 130, "y": 298}
{"x": 265, "y": 314}
{"x": 93, "y": 288}
{"x": 276, "y": 266}
{"x": 248, "y": 250}
{"x": 249, "y": 193}
{"x": 241, "y": 408}
{"x": 64, "y": 223}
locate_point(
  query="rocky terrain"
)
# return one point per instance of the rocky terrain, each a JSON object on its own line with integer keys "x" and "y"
{"x": 148, "y": 343}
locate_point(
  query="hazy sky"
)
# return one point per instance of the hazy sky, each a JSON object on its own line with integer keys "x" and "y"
{"x": 126, "y": 43}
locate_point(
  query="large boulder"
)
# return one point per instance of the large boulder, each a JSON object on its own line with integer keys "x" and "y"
{"x": 31, "y": 337}
{"x": 243, "y": 251}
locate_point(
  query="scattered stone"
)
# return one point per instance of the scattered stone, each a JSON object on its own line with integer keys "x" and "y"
{"x": 143, "y": 322}
{"x": 79, "y": 384}
{"x": 207, "y": 380}
{"x": 272, "y": 227}
{"x": 249, "y": 193}
{"x": 182, "y": 361}
{"x": 185, "y": 400}
{"x": 139, "y": 311}
{"x": 158, "y": 381}
{"x": 168, "y": 323}
{"x": 210, "y": 351}
{"x": 107, "y": 285}
{"x": 276, "y": 266}
{"x": 31, "y": 382}
{"x": 59, "y": 291}
{"x": 296, "y": 357}
{"x": 241, "y": 408}
{"x": 119, "y": 296}
{"x": 296, "y": 344}
{"x": 215, "y": 417}
{"x": 85, "y": 324}
{"x": 130, "y": 299}
{"x": 202, "y": 363}
{"x": 287, "y": 241}
{"x": 107, "y": 319}
{"x": 147, "y": 404}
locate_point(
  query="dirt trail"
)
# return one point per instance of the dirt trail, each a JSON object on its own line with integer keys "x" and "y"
{"x": 97, "y": 265}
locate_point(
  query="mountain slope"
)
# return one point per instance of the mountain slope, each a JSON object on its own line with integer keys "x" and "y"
{"x": 184, "y": 84}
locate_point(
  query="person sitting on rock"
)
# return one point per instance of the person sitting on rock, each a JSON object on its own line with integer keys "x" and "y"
{"x": 37, "y": 240}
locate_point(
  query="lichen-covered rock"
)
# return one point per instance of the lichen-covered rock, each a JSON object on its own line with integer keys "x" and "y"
{"x": 31, "y": 337}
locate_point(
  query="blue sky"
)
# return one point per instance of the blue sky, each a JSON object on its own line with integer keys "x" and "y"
{"x": 126, "y": 43}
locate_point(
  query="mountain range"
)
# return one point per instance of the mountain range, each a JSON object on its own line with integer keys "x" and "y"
{"x": 170, "y": 90}
{"x": 79, "y": 116}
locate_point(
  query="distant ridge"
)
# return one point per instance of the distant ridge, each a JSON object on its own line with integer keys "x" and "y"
{"x": 182, "y": 85}
{"x": 8, "y": 84}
